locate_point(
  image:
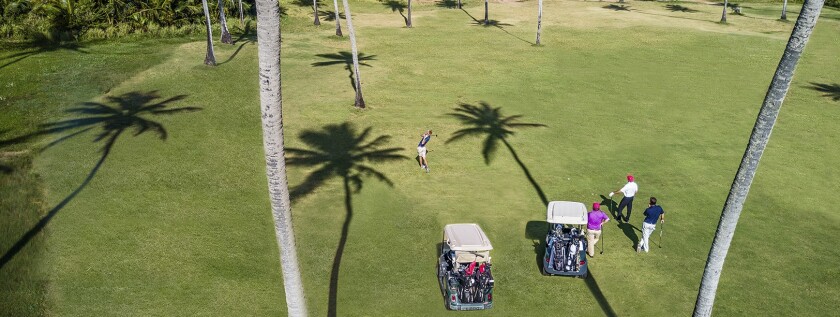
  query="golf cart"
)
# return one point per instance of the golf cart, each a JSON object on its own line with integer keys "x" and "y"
{"x": 464, "y": 268}
{"x": 565, "y": 250}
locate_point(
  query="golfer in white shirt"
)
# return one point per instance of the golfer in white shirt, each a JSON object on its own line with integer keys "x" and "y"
{"x": 629, "y": 191}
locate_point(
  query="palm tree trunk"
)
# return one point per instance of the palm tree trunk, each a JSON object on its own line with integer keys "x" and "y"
{"x": 337, "y": 19}
{"x": 486, "y": 19}
{"x": 225, "y": 33}
{"x": 241, "y": 15}
{"x": 749, "y": 163}
{"x": 784, "y": 11}
{"x": 210, "y": 58}
{"x": 539, "y": 22}
{"x": 315, "y": 8}
{"x": 268, "y": 35}
{"x": 408, "y": 20}
{"x": 360, "y": 100}
{"x": 723, "y": 16}
{"x": 339, "y": 252}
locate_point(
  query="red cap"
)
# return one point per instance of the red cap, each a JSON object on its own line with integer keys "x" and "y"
{"x": 596, "y": 206}
{"x": 629, "y": 178}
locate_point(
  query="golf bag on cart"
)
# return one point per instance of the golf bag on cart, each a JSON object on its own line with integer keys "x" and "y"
{"x": 567, "y": 245}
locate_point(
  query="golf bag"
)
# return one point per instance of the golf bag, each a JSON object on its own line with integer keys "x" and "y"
{"x": 567, "y": 243}
{"x": 474, "y": 284}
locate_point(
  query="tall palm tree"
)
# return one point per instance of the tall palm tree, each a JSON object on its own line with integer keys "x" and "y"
{"x": 210, "y": 58}
{"x": 223, "y": 21}
{"x": 315, "y": 8}
{"x": 271, "y": 105}
{"x": 337, "y": 19}
{"x": 339, "y": 151}
{"x": 408, "y": 19}
{"x": 486, "y": 19}
{"x": 539, "y": 21}
{"x": 749, "y": 163}
{"x": 360, "y": 100}
{"x": 241, "y": 15}
{"x": 784, "y": 11}
{"x": 489, "y": 122}
{"x": 723, "y": 16}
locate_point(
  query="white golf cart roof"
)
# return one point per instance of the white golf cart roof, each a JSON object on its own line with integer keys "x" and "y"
{"x": 466, "y": 237}
{"x": 566, "y": 212}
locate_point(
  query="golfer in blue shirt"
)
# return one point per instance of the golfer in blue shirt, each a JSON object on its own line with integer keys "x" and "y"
{"x": 652, "y": 214}
{"x": 421, "y": 150}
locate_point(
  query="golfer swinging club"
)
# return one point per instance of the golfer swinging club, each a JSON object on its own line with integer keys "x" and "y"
{"x": 629, "y": 191}
{"x": 421, "y": 150}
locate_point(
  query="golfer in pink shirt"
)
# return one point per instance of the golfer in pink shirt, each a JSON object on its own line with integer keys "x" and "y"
{"x": 593, "y": 227}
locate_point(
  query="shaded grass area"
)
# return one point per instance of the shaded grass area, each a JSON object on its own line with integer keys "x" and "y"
{"x": 183, "y": 226}
{"x": 38, "y": 84}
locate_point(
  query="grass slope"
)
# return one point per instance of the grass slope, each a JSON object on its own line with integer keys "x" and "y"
{"x": 182, "y": 225}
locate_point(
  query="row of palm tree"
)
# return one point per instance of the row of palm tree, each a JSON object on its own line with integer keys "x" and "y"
{"x": 271, "y": 105}
{"x": 80, "y": 16}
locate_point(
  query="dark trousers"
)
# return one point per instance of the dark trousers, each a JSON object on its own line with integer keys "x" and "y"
{"x": 625, "y": 202}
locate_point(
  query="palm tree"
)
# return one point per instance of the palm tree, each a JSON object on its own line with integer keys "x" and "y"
{"x": 489, "y": 122}
{"x": 128, "y": 114}
{"x": 223, "y": 21}
{"x": 749, "y": 163}
{"x": 271, "y": 105}
{"x": 408, "y": 20}
{"x": 360, "y": 100}
{"x": 723, "y": 17}
{"x": 339, "y": 151}
{"x": 337, "y": 19}
{"x": 784, "y": 11}
{"x": 241, "y": 15}
{"x": 486, "y": 19}
{"x": 210, "y": 58}
{"x": 539, "y": 22}
{"x": 315, "y": 8}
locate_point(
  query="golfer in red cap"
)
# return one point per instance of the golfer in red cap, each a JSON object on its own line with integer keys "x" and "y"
{"x": 629, "y": 191}
{"x": 593, "y": 227}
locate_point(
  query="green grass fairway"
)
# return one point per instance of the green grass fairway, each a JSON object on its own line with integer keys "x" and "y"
{"x": 182, "y": 226}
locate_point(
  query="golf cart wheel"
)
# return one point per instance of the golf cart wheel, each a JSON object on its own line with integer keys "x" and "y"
{"x": 584, "y": 275}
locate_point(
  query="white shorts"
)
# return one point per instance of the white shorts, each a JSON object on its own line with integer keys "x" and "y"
{"x": 421, "y": 151}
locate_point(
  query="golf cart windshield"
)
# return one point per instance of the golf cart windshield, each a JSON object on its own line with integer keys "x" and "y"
{"x": 566, "y": 212}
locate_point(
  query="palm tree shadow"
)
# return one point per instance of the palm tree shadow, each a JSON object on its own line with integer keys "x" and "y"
{"x": 593, "y": 287}
{"x": 499, "y": 25}
{"x": 395, "y": 6}
{"x": 328, "y": 15}
{"x": 679, "y": 8}
{"x": 488, "y": 121}
{"x": 449, "y": 4}
{"x": 345, "y": 58}
{"x": 40, "y": 47}
{"x": 127, "y": 114}
{"x": 829, "y": 90}
{"x": 616, "y": 7}
{"x": 340, "y": 151}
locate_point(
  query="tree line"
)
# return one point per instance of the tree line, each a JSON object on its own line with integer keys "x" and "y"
{"x": 92, "y": 19}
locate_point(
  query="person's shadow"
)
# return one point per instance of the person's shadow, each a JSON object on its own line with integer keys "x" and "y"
{"x": 629, "y": 230}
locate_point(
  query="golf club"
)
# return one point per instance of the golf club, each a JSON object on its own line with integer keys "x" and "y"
{"x": 661, "y": 230}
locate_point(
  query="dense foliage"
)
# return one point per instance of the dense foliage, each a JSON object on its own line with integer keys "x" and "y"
{"x": 74, "y": 19}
